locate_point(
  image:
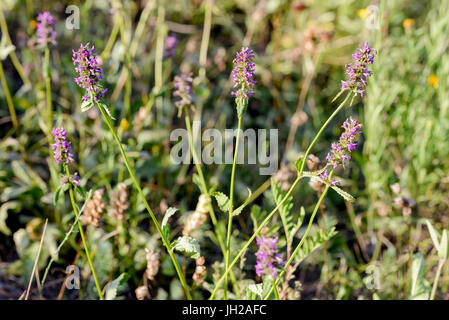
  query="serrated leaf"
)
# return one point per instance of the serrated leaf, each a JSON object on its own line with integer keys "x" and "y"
{"x": 222, "y": 201}
{"x": 433, "y": 235}
{"x": 344, "y": 194}
{"x": 239, "y": 210}
{"x": 106, "y": 108}
{"x": 86, "y": 105}
{"x": 187, "y": 245}
{"x": 112, "y": 287}
{"x": 168, "y": 213}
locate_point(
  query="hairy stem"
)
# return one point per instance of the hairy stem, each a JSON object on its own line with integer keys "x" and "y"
{"x": 303, "y": 239}
{"x": 231, "y": 208}
{"x": 83, "y": 238}
{"x": 153, "y": 217}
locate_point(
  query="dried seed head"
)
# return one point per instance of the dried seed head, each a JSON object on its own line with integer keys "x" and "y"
{"x": 94, "y": 209}
{"x": 141, "y": 292}
{"x": 199, "y": 216}
{"x": 119, "y": 202}
{"x": 152, "y": 264}
{"x": 200, "y": 271}
{"x": 282, "y": 177}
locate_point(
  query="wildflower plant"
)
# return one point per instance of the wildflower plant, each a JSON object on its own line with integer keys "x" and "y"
{"x": 90, "y": 75}
{"x": 62, "y": 152}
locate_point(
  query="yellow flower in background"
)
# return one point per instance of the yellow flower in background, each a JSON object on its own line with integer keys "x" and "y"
{"x": 124, "y": 124}
{"x": 33, "y": 24}
{"x": 363, "y": 13}
{"x": 433, "y": 80}
{"x": 408, "y": 23}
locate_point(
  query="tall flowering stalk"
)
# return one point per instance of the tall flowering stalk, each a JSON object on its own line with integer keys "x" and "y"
{"x": 300, "y": 168}
{"x": 62, "y": 153}
{"x": 89, "y": 79}
{"x": 183, "y": 90}
{"x": 243, "y": 77}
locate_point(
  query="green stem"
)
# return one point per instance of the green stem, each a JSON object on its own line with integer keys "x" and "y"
{"x": 12, "y": 54}
{"x": 231, "y": 208}
{"x": 303, "y": 239}
{"x": 267, "y": 219}
{"x": 256, "y": 233}
{"x": 48, "y": 90}
{"x": 83, "y": 238}
{"x": 205, "y": 38}
{"x": 159, "y": 56}
{"x": 9, "y": 101}
{"x": 437, "y": 278}
{"x": 153, "y": 217}
{"x": 205, "y": 190}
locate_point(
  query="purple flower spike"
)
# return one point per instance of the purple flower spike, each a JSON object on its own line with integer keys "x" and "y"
{"x": 357, "y": 71}
{"x": 90, "y": 73}
{"x": 46, "y": 29}
{"x": 170, "y": 44}
{"x": 267, "y": 258}
{"x": 62, "y": 149}
{"x": 183, "y": 86}
{"x": 340, "y": 152}
{"x": 243, "y": 74}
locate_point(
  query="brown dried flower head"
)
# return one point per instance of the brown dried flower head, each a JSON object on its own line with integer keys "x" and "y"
{"x": 199, "y": 216}
{"x": 94, "y": 209}
{"x": 118, "y": 202}
{"x": 200, "y": 271}
{"x": 152, "y": 263}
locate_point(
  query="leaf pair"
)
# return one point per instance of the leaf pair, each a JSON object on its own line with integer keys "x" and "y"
{"x": 224, "y": 202}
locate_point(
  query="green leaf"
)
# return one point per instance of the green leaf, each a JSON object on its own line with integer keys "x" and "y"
{"x": 442, "y": 253}
{"x": 86, "y": 105}
{"x": 314, "y": 242}
{"x": 256, "y": 215}
{"x": 285, "y": 208}
{"x": 113, "y": 286}
{"x": 344, "y": 194}
{"x": 433, "y": 235}
{"x": 420, "y": 288}
{"x": 57, "y": 194}
{"x": 4, "y": 215}
{"x": 239, "y": 210}
{"x": 80, "y": 191}
{"x": 106, "y": 108}
{"x": 298, "y": 163}
{"x": 168, "y": 213}
{"x": 5, "y": 49}
{"x": 165, "y": 229}
{"x": 187, "y": 245}
{"x": 222, "y": 200}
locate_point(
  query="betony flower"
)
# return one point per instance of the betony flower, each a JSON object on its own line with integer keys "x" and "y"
{"x": 46, "y": 29}
{"x": 62, "y": 149}
{"x": 90, "y": 73}
{"x": 183, "y": 86}
{"x": 170, "y": 44}
{"x": 268, "y": 260}
{"x": 358, "y": 72}
{"x": 243, "y": 74}
{"x": 73, "y": 179}
{"x": 341, "y": 150}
